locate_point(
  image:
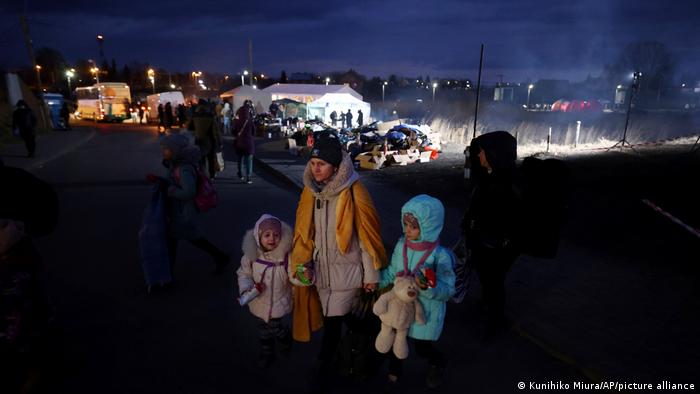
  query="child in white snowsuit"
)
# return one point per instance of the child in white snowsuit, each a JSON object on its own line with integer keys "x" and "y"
{"x": 264, "y": 269}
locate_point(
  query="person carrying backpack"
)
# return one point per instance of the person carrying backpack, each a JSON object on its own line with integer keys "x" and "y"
{"x": 180, "y": 184}
{"x": 491, "y": 222}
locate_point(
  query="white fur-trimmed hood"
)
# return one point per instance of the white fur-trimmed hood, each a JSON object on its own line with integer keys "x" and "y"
{"x": 252, "y": 252}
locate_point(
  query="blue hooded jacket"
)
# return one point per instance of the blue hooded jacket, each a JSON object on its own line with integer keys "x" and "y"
{"x": 430, "y": 214}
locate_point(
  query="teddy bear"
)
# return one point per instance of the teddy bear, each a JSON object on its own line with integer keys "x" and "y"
{"x": 398, "y": 309}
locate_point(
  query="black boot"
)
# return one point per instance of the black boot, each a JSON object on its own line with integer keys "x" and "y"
{"x": 435, "y": 376}
{"x": 285, "y": 344}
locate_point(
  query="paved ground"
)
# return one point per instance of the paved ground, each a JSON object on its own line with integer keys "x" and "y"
{"x": 195, "y": 339}
{"x": 621, "y": 300}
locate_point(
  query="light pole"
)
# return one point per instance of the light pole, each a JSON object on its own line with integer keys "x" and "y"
{"x": 69, "y": 74}
{"x": 636, "y": 76}
{"x": 434, "y": 87}
{"x": 100, "y": 41}
{"x": 245, "y": 72}
{"x": 38, "y": 75}
{"x": 152, "y": 77}
{"x": 96, "y": 71}
{"x": 383, "y": 86}
{"x": 529, "y": 89}
{"x": 328, "y": 80}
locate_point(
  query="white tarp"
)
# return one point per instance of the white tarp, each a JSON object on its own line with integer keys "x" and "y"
{"x": 338, "y": 102}
{"x": 306, "y": 93}
{"x": 261, "y": 99}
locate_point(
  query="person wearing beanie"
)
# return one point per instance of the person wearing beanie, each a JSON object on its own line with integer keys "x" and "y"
{"x": 180, "y": 158}
{"x": 263, "y": 269}
{"x": 337, "y": 249}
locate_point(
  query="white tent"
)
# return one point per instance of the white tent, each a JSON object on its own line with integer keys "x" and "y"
{"x": 338, "y": 102}
{"x": 261, "y": 99}
{"x": 306, "y": 93}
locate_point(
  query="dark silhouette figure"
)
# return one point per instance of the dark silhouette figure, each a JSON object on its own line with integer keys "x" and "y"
{"x": 161, "y": 117}
{"x": 181, "y": 115}
{"x": 24, "y": 121}
{"x": 490, "y": 223}
{"x": 348, "y": 119}
{"x": 334, "y": 118}
{"x": 169, "y": 116}
{"x": 245, "y": 144}
{"x": 207, "y": 135}
{"x": 65, "y": 116}
{"x": 360, "y": 118}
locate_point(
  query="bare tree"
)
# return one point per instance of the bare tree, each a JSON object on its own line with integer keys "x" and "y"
{"x": 651, "y": 58}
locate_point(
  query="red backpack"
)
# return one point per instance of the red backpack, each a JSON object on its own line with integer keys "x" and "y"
{"x": 205, "y": 197}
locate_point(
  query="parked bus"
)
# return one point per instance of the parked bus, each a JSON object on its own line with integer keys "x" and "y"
{"x": 107, "y": 101}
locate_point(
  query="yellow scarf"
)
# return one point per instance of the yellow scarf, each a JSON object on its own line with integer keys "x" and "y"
{"x": 355, "y": 211}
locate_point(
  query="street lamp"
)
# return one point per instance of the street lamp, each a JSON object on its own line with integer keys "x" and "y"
{"x": 96, "y": 71}
{"x": 69, "y": 74}
{"x": 529, "y": 89}
{"x": 100, "y": 41}
{"x": 383, "y": 86}
{"x": 152, "y": 77}
{"x": 434, "y": 87}
{"x": 245, "y": 72}
{"x": 328, "y": 80}
{"x": 38, "y": 75}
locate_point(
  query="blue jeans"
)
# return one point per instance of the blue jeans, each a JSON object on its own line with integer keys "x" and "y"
{"x": 247, "y": 161}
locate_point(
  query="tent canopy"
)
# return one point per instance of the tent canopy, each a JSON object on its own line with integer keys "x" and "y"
{"x": 338, "y": 102}
{"x": 261, "y": 99}
{"x": 307, "y": 93}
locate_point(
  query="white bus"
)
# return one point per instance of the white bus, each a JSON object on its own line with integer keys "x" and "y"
{"x": 108, "y": 101}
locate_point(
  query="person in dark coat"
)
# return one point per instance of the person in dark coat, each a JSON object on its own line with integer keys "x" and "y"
{"x": 24, "y": 121}
{"x": 490, "y": 223}
{"x": 181, "y": 115}
{"x": 180, "y": 185}
{"x": 161, "y": 117}
{"x": 334, "y": 118}
{"x": 65, "y": 116}
{"x": 207, "y": 136}
{"x": 342, "y": 119}
{"x": 244, "y": 144}
{"x": 169, "y": 116}
{"x": 360, "y": 118}
{"x": 28, "y": 209}
{"x": 348, "y": 119}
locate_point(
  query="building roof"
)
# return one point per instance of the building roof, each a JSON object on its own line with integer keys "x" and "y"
{"x": 303, "y": 89}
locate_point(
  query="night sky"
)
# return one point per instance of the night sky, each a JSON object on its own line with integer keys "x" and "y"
{"x": 525, "y": 39}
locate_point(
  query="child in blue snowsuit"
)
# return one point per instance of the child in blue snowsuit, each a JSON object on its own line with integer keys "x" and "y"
{"x": 416, "y": 253}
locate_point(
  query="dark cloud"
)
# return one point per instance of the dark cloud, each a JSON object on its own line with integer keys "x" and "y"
{"x": 525, "y": 39}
